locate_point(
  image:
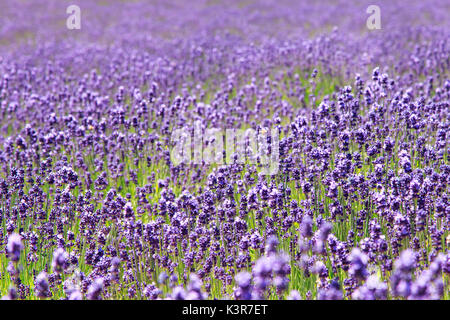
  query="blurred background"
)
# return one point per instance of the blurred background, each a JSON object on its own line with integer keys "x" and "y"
{"x": 35, "y": 22}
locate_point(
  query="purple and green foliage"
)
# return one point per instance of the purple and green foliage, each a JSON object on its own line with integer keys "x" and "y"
{"x": 93, "y": 207}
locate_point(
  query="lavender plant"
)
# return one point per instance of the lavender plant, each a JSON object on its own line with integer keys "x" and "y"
{"x": 92, "y": 206}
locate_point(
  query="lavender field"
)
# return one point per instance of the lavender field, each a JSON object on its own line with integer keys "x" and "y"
{"x": 98, "y": 202}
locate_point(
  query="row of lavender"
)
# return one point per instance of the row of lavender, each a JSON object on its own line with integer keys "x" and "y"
{"x": 92, "y": 205}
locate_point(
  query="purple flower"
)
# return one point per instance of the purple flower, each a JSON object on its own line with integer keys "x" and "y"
{"x": 244, "y": 290}
{"x": 75, "y": 295}
{"x": 332, "y": 292}
{"x": 358, "y": 265}
{"x": 59, "y": 261}
{"x": 178, "y": 293}
{"x": 14, "y": 247}
{"x": 41, "y": 286}
{"x": 306, "y": 227}
{"x": 373, "y": 289}
{"x": 294, "y": 295}
{"x": 11, "y": 295}
{"x": 401, "y": 279}
{"x": 95, "y": 289}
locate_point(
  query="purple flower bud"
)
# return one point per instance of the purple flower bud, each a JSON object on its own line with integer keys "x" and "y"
{"x": 59, "y": 261}
{"x": 306, "y": 227}
{"x": 95, "y": 289}
{"x": 358, "y": 264}
{"x": 41, "y": 286}
{"x": 14, "y": 247}
{"x": 75, "y": 295}
{"x": 178, "y": 293}
{"x": 243, "y": 280}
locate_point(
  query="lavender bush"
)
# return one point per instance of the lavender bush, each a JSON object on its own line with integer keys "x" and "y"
{"x": 92, "y": 206}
